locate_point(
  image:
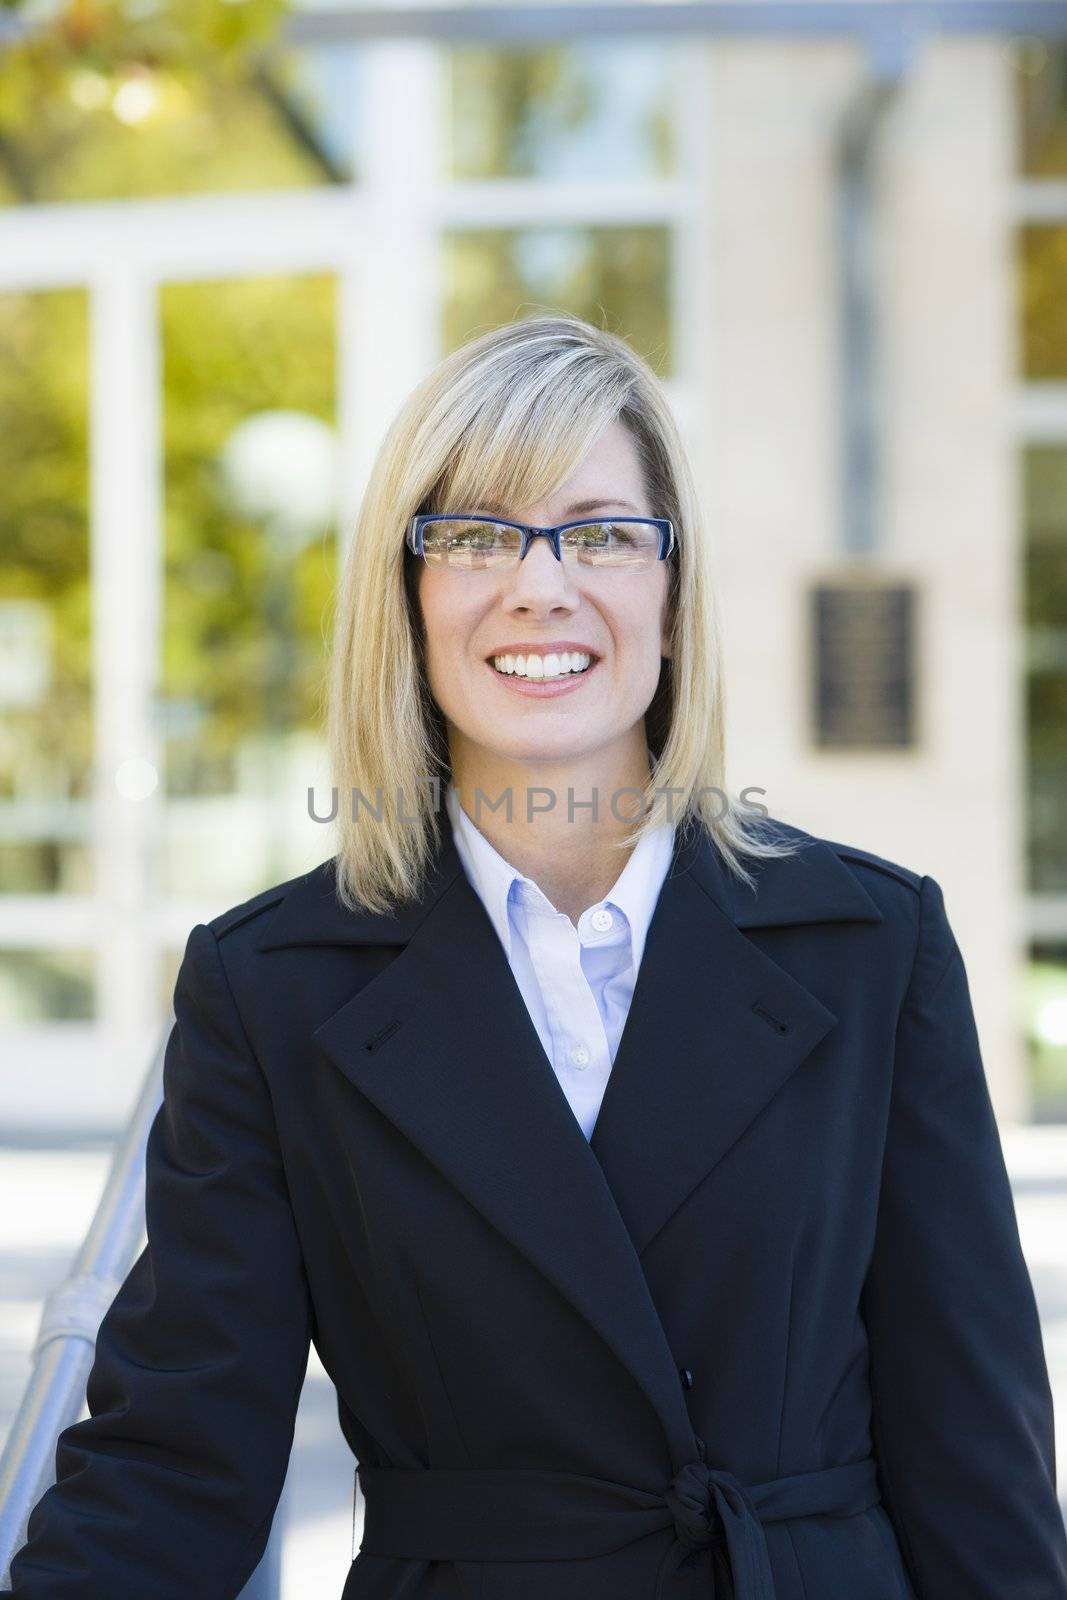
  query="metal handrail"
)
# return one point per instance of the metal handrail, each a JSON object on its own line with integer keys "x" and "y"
{"x": 65, "y": 1345}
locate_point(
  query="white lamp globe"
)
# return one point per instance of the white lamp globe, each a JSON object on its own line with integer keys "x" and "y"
{"x": 281, "y": 467}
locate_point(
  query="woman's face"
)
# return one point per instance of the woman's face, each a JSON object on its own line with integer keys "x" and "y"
{"x": 617, "y": 616}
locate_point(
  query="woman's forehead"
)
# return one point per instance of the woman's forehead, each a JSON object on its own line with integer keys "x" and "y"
{"x": 608, "y": 474}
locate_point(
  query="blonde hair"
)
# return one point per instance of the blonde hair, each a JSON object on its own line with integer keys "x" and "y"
{"x": 503, "y": 421}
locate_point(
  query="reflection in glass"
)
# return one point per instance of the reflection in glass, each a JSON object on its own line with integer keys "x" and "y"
{"x": 1042, "y": 272}
{"x": 615, "y": 277}
{"x": 249, "y": 378}
{"x": 1045, "y": 1015}
{"x": 115, "y": 128}
{"x": 46, "y": 723}
{"x": 596, "y": 109}
{"x": 46, "y": 986}
{"x": 1041, "y": 106}
{"x": 1045, "y": 480}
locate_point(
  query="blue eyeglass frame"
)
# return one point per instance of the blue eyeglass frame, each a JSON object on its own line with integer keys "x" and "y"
{"x": 418, "y": 523}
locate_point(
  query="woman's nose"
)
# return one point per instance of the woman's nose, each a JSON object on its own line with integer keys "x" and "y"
{"x": 539, "y": 565}
{"x": 539, "y": 577}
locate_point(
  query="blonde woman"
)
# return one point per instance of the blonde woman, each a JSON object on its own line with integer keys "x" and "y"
{"x": 627, "y": 1155}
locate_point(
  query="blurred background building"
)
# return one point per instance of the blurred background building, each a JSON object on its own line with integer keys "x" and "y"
{"x": 233, "y": 237}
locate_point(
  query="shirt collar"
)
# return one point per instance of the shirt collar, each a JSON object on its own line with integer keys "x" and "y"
{"x": 635, "y": 891}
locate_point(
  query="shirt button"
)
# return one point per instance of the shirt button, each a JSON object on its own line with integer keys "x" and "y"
{"x": 580, "y": 1056}
{"x": 601, "y": 919}
{"x": 686, "y": 1377}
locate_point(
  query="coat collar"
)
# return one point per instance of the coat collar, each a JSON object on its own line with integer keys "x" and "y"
{"x": 506, "y": 893}
{"x": 440, "y": 1041}
{"x": 814, "y": 886}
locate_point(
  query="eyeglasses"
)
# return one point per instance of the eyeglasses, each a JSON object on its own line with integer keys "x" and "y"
{"x": 477, "y": 543}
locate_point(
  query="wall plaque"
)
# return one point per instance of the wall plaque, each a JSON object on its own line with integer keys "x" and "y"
{"x": 864, "y": 664}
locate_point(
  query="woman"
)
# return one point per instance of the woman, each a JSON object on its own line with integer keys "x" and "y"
{"x": 727, "y": 1301}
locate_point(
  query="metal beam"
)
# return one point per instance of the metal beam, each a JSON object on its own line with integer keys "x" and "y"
{"x": 504, "y": 22}
{"x": 862, "y": 379}
{"x": 530, "y": 24}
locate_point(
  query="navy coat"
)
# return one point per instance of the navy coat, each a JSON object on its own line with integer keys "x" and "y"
{"x": 770, "y": 1335}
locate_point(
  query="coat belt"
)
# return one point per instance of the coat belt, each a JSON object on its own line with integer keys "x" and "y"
{"x": 525, "y": 1514}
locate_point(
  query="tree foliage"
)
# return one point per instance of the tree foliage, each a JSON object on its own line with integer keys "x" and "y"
{"x": 115, "y": 98}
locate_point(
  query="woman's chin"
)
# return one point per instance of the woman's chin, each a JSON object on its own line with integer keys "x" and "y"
{"x": 524, "y": 750}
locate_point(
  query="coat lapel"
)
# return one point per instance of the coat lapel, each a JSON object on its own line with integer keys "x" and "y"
{"x": 442, "y": 1044}
{"x": 714, "y": 1030}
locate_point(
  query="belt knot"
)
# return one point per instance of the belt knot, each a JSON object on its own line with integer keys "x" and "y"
{"x": 692, "y": 1502}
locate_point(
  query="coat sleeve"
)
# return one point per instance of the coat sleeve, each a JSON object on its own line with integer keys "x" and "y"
{"x": 168, "y": 1488}
{"x": 962, "y": 1408}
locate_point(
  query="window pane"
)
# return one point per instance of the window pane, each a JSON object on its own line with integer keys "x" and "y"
{"x": 614, "y": 277}
{"x": 46, "y": 719}
{"x": 1045, "y": 1000}
{"x": 116, "y": 127}
{"x": 250, "y": 552}
{"x": 595, "y": 110}
{"x": 46, "y": 986}
{"x": 1042, "y": 273}
{"x": 1041, "y": 103}
{"x": 170, "y": 960}
{"x": 1045, "y": 479}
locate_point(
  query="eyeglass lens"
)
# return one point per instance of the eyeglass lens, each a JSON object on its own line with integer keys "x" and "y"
{"x": 461, "y": 544}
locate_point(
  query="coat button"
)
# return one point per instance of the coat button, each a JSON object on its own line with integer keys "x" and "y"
{"x": 686, "y": 1377}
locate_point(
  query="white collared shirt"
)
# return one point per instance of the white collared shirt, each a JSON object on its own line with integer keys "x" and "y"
{"x": 577, "y": 982}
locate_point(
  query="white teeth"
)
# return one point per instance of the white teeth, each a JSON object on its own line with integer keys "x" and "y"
{"x": 541, "y": 667}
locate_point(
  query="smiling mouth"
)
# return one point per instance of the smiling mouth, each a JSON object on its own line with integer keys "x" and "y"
{"x": 548, "y": 668}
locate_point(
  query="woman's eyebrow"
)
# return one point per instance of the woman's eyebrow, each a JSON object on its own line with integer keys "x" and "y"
{"x": 596, "y": 505}
{"x": 579, "y": 508}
